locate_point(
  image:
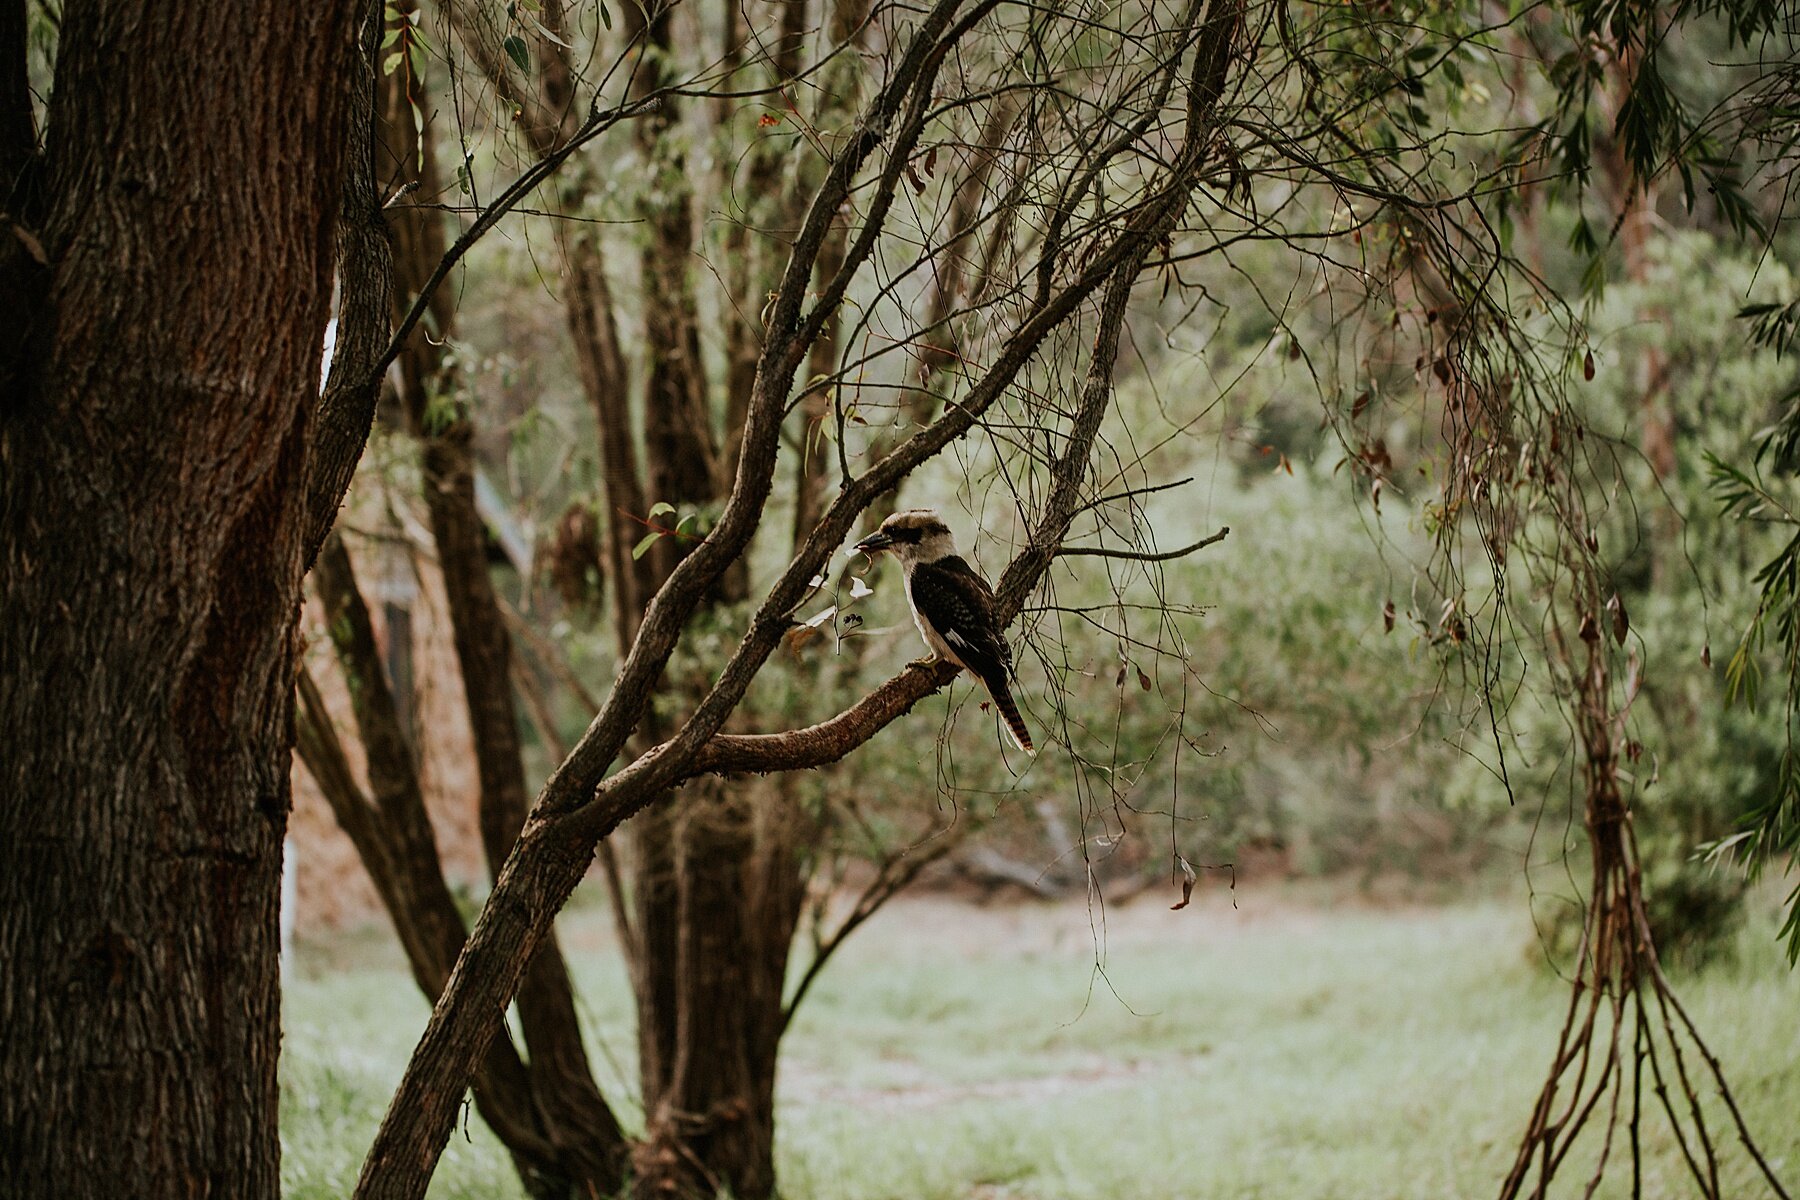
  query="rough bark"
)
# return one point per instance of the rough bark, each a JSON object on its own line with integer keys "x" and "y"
{"x": 365, "y": 282}
{"x": 737, "y": 893}
{"x": 152, "y": 517}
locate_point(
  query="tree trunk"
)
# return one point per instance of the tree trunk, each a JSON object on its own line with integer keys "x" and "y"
{"x": 575, "y": 1115}
{"x": 714, "y": 1004}
{"x": 569, "y": 1109}
{"x": 153, "y": 458}
{"x": 394, "y": 839}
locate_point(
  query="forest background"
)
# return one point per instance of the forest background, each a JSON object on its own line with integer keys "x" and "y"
{"x": 1438, "y": 554}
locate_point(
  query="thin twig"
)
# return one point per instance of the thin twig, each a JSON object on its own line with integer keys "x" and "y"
{"x": 1142, "y": 555}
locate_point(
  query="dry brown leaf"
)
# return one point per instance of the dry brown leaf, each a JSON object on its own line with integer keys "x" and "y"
{"x": 1187, "y": 880}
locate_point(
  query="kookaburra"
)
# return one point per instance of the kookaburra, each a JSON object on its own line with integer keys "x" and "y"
{"x": 952, "y": 606}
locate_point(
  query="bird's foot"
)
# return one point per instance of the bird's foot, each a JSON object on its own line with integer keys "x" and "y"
{"x": 928, "y": 662}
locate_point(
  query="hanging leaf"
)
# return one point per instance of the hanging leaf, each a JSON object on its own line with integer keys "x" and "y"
{"x": 1706, "y": 656}
{"x": 643, "y": 547}
{"x": 1621, "y": 621}
{"x": 859, "y": 588}
{"x": 1587, "y": 366}
{"x": 545, "y": 30}
{"x": 1387, "y": 617}
{"x": 1120, "y": 681}
{"x": 606, "y": 17}
{"x": 1590, "y": 631}
{"x": 514, "y": 45}
{"x": 1187, "y": 878}
{"x": 1143, "y": 679}
{"x": 806, "y": 631}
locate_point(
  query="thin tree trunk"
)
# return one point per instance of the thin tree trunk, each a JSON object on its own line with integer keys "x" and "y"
{"x": 705, "y": 1034}
{"x": 153, "y": 465}
{"x": 572, "y": 1113}
{"x": 568, "y": 1100}
{"x": 394, "y": 839}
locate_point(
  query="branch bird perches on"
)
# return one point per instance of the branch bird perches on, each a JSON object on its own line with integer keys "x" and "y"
{"x": 576, "y": 809}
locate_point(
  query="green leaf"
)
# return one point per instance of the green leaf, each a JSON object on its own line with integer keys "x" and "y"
{"x": 545, "y": 30}
{"x": 659, "y": 508}
{"x": 392, "y": 62}
{"x": 643, "y": 547}
{"x": 605, "y": 16}
{"x": 514, "y": 46}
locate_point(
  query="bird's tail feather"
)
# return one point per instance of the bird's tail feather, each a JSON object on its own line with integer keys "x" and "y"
{"x": 1009, "y": 714}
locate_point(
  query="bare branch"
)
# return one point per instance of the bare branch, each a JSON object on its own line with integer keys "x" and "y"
{"x": 893, "y": 877}
{"x": 597, "y": 123}
{"x": 1142, "y": 555}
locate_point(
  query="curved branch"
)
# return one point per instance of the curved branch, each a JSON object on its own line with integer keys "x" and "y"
{"x": 596, "y": 124}
{"x": 1143, "y": 555}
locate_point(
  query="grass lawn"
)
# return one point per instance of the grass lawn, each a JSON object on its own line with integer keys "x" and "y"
{"x": 1298, "y": 1046}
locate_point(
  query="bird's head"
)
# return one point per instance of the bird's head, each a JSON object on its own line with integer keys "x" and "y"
{"x": 917, "y": 535}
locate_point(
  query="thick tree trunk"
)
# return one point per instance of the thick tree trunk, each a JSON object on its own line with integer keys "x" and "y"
{"x": 153, "y": 460}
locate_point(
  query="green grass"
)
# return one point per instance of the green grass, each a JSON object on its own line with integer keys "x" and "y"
{"x": 1286, "y": 1049}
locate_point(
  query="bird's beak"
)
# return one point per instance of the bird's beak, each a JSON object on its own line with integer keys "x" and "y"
{"x": 874, "y": 543}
